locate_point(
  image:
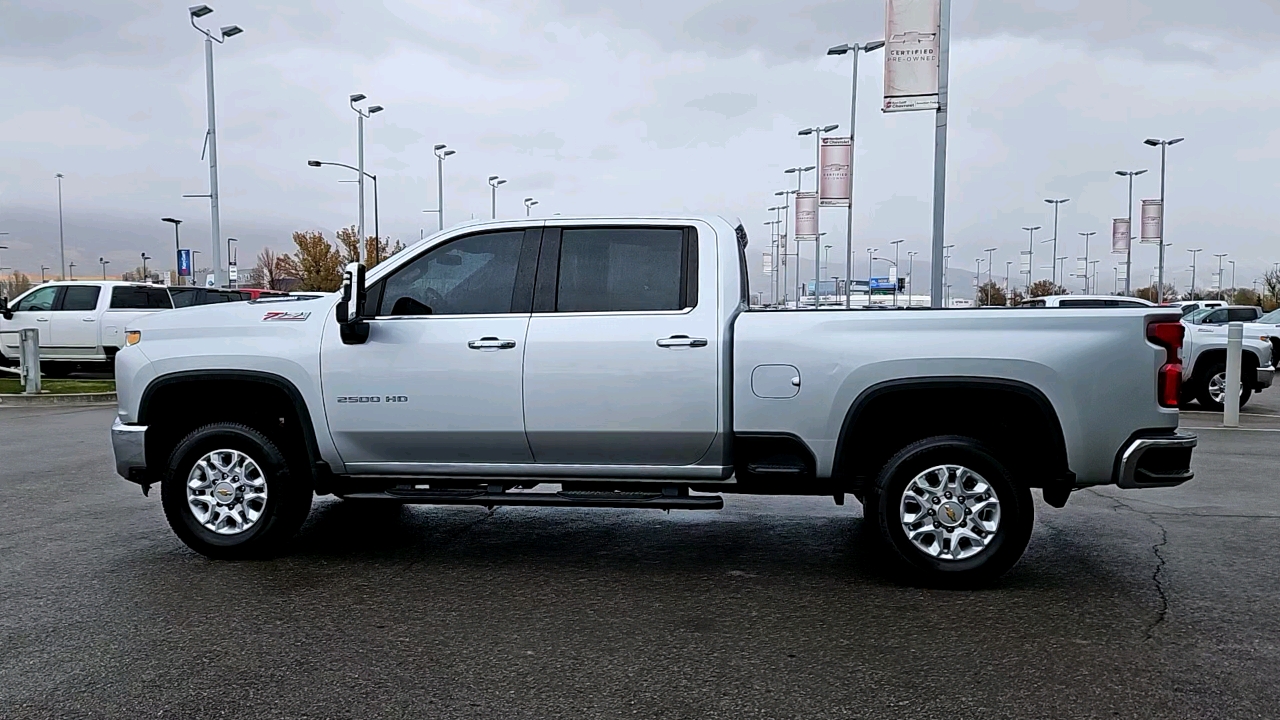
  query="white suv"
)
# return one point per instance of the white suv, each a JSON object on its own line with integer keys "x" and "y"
{"x": 78, "y": 321}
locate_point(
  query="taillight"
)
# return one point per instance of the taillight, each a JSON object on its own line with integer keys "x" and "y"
{"x": 1168, "y": 335}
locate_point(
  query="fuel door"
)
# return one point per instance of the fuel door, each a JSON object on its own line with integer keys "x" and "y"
{"x": 775, "y": 381}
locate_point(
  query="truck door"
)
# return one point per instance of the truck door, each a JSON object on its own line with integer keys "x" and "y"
{"x": 74, "y": 320}
{"x": 438, "y": 381}
{"x": 32, "y": 311}
{"x": 621, "y": 365}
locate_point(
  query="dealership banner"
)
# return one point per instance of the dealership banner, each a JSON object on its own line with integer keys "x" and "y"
{"x": 911, "y": 54}
{"x": 835, "y": 185}
{"x": 767, "y": 264}
{"x": 1120, "y": 235}
{"x": 1152, "y": 221}
{"x": 806, "y": 215}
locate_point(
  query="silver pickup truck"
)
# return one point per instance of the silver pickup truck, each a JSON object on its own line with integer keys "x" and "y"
{"x": 617, "y": 359}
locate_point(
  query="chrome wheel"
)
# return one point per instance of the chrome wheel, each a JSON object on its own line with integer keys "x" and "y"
{"x": 1218, "y": 387}
{"x": 950, "y": 512}
{"x": 226, "y": 491}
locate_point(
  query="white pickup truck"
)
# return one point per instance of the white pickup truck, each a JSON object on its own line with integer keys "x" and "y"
{"x": 617, "y": 358}
{"x": 1204, "y": 353}
{"x": 77, "y": 321}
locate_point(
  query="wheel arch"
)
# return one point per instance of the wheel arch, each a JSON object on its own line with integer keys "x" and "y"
{"x": 875, "y": 426}
{"x": 265, "y": 401}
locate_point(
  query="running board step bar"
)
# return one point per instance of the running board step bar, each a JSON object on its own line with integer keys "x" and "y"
{"x": 572, "y": 498}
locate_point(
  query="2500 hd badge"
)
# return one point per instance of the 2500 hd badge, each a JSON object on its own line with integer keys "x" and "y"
{"x": 372, "y": 399}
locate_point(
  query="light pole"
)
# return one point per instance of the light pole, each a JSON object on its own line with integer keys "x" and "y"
{"x": 528, "y": 205}
{"x": 1128, "y": 254}
{"x": 1031, "y": 254}
{"x": 43, "y": 269}
{"x": 870, "y": 252}
{"x": 73, "y": 271}
{"x": 1094, "y": 273}
{"x": 990, "y": 262}
{"x": 377, "y": 230}
{"x": 799, "y": 172}
{"x": 1164, "y": 148}
{"x": 145, "y": 276}
{"x": 361, "y": 115}
{"x": 194, "y": 253}
{"x": 782, "y": 237}
{"x": 231, "y": 262}
{"x": 441, "y": 151}
{"x": 104, "y": 263}
{"x": 1008, "y": 270}
{"x": 778, "y": 211}
{"x": 1194, "y": 252}
{"x": 977, "y": 279}
{"x": 62, "y": 248}
{"x": 177, "y": 249}
{"x": 494, "y": 182}
{"x": 1087, "y": 236}
{"x": 946, "y": 286}
{"x": 1056, "y": 204}
{"x": 895, "y": 244}
{"x": 855, "y": 50}
{"x": 817, "y": 133}
{"x": 773, "y": 254}
{"x": 911, "y": 256}
{"x": 211, "y": 134}
{"x": 1219, "y": 256}
{"x": 1233, "y": 279}
{"x": 826, "y": 258}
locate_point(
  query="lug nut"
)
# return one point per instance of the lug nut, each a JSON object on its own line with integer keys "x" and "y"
{"x": 936, "y": 501}
{"x": 947, "y": 495}
{"x": 936, "y": 524}
{"x": 933, "y": 513}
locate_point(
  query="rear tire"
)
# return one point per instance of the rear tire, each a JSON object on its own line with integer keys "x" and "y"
{"x": 950, "y": 513}
{"x": 230, "y": 494}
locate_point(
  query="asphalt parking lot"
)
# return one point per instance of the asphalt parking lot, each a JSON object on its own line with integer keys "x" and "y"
{"x": 1156, "y": 604}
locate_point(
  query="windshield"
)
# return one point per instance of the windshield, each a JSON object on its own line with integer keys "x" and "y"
{"x": 1195, "y": 316}
{"x": 1271, "y": 318}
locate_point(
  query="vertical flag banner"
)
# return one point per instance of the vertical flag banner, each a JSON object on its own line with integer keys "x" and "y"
{"x": 1120, "y": 235}
{"x": 835, "y": 185}
{"x": 767, "y": 264}
{"x": 184, "y": 263}
{"x": 806, "y": 215}
{"x": 913, "y": 30}
{"x": 1152, "y": 221}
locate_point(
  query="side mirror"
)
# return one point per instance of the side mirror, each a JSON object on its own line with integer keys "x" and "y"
{"x": 351, "y": 309}
{"x": 5, "y": 311}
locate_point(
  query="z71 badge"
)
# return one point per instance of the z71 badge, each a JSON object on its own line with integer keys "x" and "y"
{"x": 279, "y": 315}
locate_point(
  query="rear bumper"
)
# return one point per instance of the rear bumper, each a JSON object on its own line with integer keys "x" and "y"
{"x": 1153, "y": 462}
{"x": 128, "y": 442}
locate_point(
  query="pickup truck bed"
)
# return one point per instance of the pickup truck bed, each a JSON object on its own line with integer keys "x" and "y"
{"x": 616, "y": 358}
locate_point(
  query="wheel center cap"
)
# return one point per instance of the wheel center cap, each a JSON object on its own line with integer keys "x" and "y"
{"x": 950, "y": 513}
{"x": 224, "y": 492}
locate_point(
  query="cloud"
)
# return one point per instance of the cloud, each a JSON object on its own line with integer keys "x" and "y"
{"x": 729, "y": 105}
{"x": 393, "y": 137}
{"x": 543, "y": 140}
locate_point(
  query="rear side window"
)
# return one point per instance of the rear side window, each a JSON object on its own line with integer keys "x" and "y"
{"x": 80, "y": 297}
{"x": 184, "y": 298}
{"x": 140, "y": 298}
{"x": 1243, "y": 314}
{"x": 623, "y": 269}
{"x": 1082, "y": 303}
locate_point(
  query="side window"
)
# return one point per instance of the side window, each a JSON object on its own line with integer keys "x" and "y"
{"x": 623, "y": 269}
{"x": 1130, "y": 304}
{"x": 474, "y": 275}
{"x": 1242, "y": 314}
{"x": 38, "y": 300}
{"x": 1082, "y": 303}
{"x": 1217, "y": 317}
{"x": 80, "y": 298}
{"x": 136, "y": 297}
{"x": 181, "y": 297}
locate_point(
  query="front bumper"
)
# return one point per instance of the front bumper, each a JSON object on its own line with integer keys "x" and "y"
{"x": 1152, "y": 462}
{"x": 129, "y": 444}
{"x": 1264, "y": 377}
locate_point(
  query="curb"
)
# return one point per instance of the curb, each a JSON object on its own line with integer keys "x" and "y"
{"x": 104, "y": 398}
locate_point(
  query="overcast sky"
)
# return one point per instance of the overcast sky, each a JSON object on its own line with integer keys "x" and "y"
{"x": 600, "y": 106}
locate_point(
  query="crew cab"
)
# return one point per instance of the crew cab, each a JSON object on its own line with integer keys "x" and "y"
{"x": 1205, "y": 354}
{"x": 1085, "y": 301}
{"x": 617, "y": 359}
{"x": 77, "y": 321}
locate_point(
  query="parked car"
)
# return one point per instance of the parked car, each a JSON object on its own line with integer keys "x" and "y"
{"x": 1205, "y": 354}
{"x": 618, "y": 358}
{"x": 77, "y": 321}
{"x": 1189, "y": 306}
{"x": 1086, "y": 301}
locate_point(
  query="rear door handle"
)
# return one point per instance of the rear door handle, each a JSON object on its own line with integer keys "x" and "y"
{"x": 491, "y": 343}
{"x": 42, "y": 319}
{"x": 682, "y": 341}
{"x": 88, "y": 319}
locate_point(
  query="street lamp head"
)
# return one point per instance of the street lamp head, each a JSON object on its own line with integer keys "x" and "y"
{"x": 439, "y": 147}
{"x": 375, "y": 109}
{"x": 447, "y": 153}
{"x": 1175, "y": 141}
{"x": 175, "y": 221}
{"x": 314, "y": 163}
{"x": 199, "y": 11}
{"x": 357, "y": 97}
{"x": 829, "y": 128}
{"x": 500, "y": 182}
{"x": 807, "y": 131}
{"x": 492, "y": 178}
{"x": 839, "y": 49}
{"x": 873, "y": 46}
{"x": 231, "y": 31}
{"x": 59, "y": 175}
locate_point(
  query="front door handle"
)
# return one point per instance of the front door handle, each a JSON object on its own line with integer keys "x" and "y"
{"x": 491, "y": 343}
{"x": 87, "y": 319}
{"x": 42, "y": 319}
{"x": 682, "y": 341}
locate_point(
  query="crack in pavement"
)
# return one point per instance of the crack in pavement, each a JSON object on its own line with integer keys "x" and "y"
{"x": 1156, "y": 575}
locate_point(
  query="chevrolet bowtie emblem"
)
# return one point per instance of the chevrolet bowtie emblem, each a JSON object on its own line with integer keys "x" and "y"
{"x": 951, "y": 514}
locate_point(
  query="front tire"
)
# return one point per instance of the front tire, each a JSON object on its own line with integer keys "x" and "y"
{"x": 1210, "y": 389}
{"x": 229, "y": 493}
{"x": 950, "y": 512}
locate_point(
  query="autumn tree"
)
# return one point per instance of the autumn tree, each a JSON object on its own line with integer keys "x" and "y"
{"x": 1045, "y": 288}
{"x": 17, "y": 284}
{"x": 1245, "y": 296}
{"x": 1149, "y": 293}
{"x": 1016, "y": 297}
{"x": 377, "y": 249}
{"x": 316, "y": 263}
{"x": 989, "y": 294}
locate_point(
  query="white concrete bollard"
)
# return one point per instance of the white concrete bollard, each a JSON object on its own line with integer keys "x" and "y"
{"x": 29, "y": 360}
{"x": 1231, "y": 393}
